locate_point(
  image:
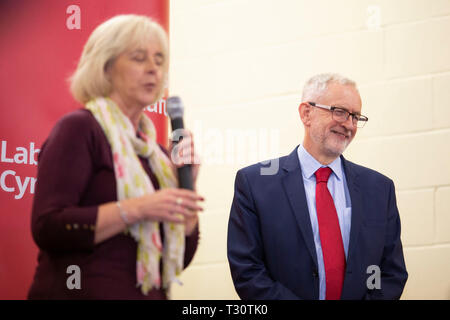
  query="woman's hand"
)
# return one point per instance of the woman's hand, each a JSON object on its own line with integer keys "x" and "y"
{"x": 183, "y": 153}
{"x": 190, "y": 223}
{"x": 166, "y": 205}
{"x": 169, "y": 205}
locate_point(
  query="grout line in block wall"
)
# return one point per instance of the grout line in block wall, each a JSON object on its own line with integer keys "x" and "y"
{"x": 429, "y": 75}
{"x": 294, "y": 93}
{"x": 405, "y": 135}
{"x": 204, "y": 5}
{"x": 413, "y": 22}
{"x": 422, "y": 188}
{"x": 414, "y": 189}
{"x": 432, "y": 102}
{"x": 197, "y": 265}
{"x": 265, "y": 45}
{"x": 419, "y": 76}
{"x": 360, "y": 29}
{"x": 441, "y": 245}
{"x": 434, "y": 216}
{"x": 257, "y": 100}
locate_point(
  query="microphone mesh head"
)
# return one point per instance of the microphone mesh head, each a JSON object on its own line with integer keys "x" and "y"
{"x": 175, "y": 107}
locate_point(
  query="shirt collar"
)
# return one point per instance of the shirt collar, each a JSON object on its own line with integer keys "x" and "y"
{"x": 310, "y": 165}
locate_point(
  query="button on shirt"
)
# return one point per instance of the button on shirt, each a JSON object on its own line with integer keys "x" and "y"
{"x": 337, "y": 185}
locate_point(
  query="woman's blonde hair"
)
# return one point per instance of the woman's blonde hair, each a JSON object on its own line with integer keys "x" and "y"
{"x": 107, "y": 42}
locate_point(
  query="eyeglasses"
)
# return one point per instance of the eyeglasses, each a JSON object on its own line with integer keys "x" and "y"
{"x": 341, "y": 115}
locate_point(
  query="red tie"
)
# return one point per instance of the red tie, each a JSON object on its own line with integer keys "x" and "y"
{"x": 330, "y": 236}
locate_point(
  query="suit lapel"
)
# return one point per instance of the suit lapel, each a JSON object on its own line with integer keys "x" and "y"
{"x": 357, "y": 214}
{"x": 295, "y": 190}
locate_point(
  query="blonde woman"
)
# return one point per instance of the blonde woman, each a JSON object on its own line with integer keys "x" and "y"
{"x": 107, "y": 209}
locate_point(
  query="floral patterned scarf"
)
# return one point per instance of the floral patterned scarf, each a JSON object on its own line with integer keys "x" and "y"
{"x": 132, "y": 181}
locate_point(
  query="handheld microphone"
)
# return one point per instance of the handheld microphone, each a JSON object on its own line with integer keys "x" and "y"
{"x": 175, "y": 110}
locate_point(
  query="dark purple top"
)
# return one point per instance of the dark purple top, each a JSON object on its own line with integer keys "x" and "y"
{"x": 75, "y": 176}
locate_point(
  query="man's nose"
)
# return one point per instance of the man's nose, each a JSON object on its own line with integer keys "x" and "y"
{"x": 348, "y": 124}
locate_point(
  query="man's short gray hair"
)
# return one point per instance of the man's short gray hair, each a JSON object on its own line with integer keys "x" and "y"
{"x": 317, "y": 84}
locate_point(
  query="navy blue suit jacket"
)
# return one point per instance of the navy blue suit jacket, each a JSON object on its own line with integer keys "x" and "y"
{"x": 270, "y": 242}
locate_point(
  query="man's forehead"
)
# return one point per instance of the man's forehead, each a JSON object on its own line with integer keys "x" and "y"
{"x": 342, "y": 95}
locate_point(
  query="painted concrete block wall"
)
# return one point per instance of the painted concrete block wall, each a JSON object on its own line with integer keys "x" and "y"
{"x": 240, "y": 65}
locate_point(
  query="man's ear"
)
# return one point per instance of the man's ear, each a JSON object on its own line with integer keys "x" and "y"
{"x": 304, "y": 110}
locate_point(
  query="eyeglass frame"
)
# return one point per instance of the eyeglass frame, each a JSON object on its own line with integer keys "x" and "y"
{"x": 332, "y": 108}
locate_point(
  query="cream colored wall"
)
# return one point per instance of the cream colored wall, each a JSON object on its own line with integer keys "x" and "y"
{"x": 239, "y": 66}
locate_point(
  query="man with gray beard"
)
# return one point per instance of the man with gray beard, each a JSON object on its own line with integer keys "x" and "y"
{"x": 319, "y": 227}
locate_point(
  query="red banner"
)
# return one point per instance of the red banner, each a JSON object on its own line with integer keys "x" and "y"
{"x": 41, "y": 43}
